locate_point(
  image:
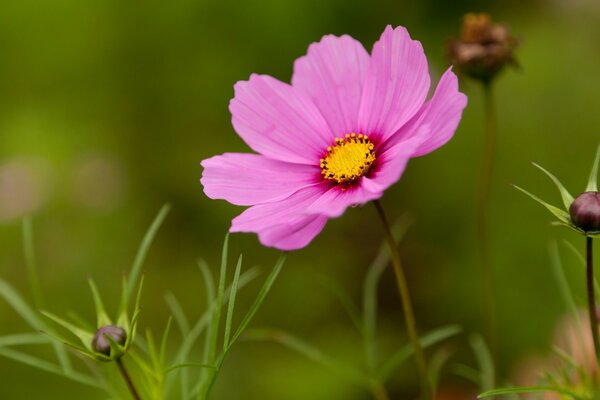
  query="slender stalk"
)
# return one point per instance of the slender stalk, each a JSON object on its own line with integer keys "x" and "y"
{"x": 379, "y": 392}
{"x": 409, "y": 315}
{"x": 592, "y": 296}
{"x": 128, "y": 380}
{"x": 483, "y": 205}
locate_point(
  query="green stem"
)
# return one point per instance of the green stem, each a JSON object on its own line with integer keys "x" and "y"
{"x": 379, "y": 392}
{"x": 592, "y": 296}
{"x": 409, "y": 316}
{"x": 483, "y": 205}
{"x": 128, "y": 380}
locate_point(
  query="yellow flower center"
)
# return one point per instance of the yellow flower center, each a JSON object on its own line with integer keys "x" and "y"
{"x": 349, "y": 159}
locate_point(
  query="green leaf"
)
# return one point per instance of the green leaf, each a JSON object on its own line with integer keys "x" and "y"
{"x": 30, "y": 263}
{"x": 187, "y": 365}
{"x": 83, "y": 335}
{"x": 163, "y": 342}
{"x": 178, "y": 314}
{"x": 530, "y": 389}
{"x": 562, "y": 215}
{"x": 566, "y": 196}
{"x": 231, "y": 304}
{"x": 484, "y": 359}
{"x": 344, "y": 299}
{"x": 404, "y": 353}
{"x": 467, "y": 372}
{"x": 18, "y": 339}
{"x": 262, "y": 294}
{"x": 218, "y": 304}
{"x": 312, "y": 353}
{"x": 143, "y": 250}
{"x": 48, "y": 367}
{"x": 202, "y": 323}
{"x": 102, "y": 318}
{"x": 436, "y": 364}
{"x": 14, "y": 299}
{"x": 369, "y": 306}
{"x": 592, "y": 185}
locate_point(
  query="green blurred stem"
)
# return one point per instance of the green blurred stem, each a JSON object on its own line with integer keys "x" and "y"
{"x": 409, "y": 315}
{"x": 128, "y": 380}
{"x": 483, "y": 205}
{"x": 34, "y": 281}
{"x": 592, "y": 296}
{"x": 379, "y": 392}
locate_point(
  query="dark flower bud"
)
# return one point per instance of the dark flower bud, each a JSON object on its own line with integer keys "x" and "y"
{"x": 483, "y": 49}
{"x": 100, "y": 343}
{"x": 585, "y": 212}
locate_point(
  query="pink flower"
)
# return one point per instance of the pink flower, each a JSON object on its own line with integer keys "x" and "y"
{"x": 338, "y": 136}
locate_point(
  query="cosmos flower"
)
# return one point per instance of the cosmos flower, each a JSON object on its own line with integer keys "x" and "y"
{"x": 338, "y": 136}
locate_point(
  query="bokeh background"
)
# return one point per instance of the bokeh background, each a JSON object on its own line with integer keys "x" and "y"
{"x": 107, "y": 108}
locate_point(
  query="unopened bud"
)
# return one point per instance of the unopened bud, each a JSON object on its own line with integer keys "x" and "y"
{"x": 585, "y": 212}
{"x": 101, "y": 344}
{"x": 483, "y": 49}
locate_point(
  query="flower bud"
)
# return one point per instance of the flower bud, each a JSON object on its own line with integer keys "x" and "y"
{"x": 585, "y": 212}
{"x": 483, "y": 49}
{"x": 100, "y": 343}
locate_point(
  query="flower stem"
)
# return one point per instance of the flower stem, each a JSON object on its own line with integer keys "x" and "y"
{"x": 379, "y": 392}
{"x": 128, "y": 380}
{"x": 483, "y": 205}
{"x": 592, "y": 296}
{"x": 409, "y": 316}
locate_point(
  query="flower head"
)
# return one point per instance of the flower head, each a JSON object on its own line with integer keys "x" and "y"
{"x": 338, "y": 136}
{"x": 484, "y": 47}
{"x": 581, "y": 214}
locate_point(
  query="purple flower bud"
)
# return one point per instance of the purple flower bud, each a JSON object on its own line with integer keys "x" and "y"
{"x": 585, "y": 212}
{"x": 100, "y": 343}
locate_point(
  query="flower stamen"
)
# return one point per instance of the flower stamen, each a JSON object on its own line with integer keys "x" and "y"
{"x": 349, "y": 159}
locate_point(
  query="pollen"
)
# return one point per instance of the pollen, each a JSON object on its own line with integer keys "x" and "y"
{"x": 349, "y": 159}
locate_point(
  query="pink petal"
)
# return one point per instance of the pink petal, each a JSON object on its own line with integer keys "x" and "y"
{"x": 396, "y": 84}
{"x": 278, "y": 121}
{"x": 334, "y": 202}
{"x": 248, "y": 179}
{"x": 392, "y": 161}
{"x": 438, "y": 119}
{"x": 332, "y": 74}
{"x": 293, "y": 236}
{"x": 283, "y": 224}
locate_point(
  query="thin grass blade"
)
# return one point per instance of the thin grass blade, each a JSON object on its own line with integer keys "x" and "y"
{"x": 404, "y": 353}
{"x": 140, "y": 257}
{"x": 562, "y": 215}
{"x": 592, "y": 185}
{"x": 530, "y": 389}
{"x": 564, "y": 193}
{"x": 178, "y": 313}
{"x": 484, "y": 359}
{"x": 262, "y": 294}
{"x": 231, "y": 305}
{"x": 30, "y": 263}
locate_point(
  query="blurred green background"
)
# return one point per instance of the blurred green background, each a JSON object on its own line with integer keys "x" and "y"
{"x": 107, "y": 108}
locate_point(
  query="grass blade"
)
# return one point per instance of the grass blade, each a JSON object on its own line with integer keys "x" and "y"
{"x": 530, "y": 389}
{"x": 592, "y": 185}
{"x": 562, "y": 215}
{"x": 564, "y": 193}
{"x": 18, "y": 339}
{"x": 178, "y": 314}
{"x": 231, "y": 305}
{"x": 404, "y": 353}
{"x": 259, "y": 299}
{"x": 44, "y": 365}
{"x": 140, "y": 257}
{"x": 218, "y": 307}
{"x": 309, "y": 351}
{"x": 30, "y": 263}
{"x": 484, "y": 359}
